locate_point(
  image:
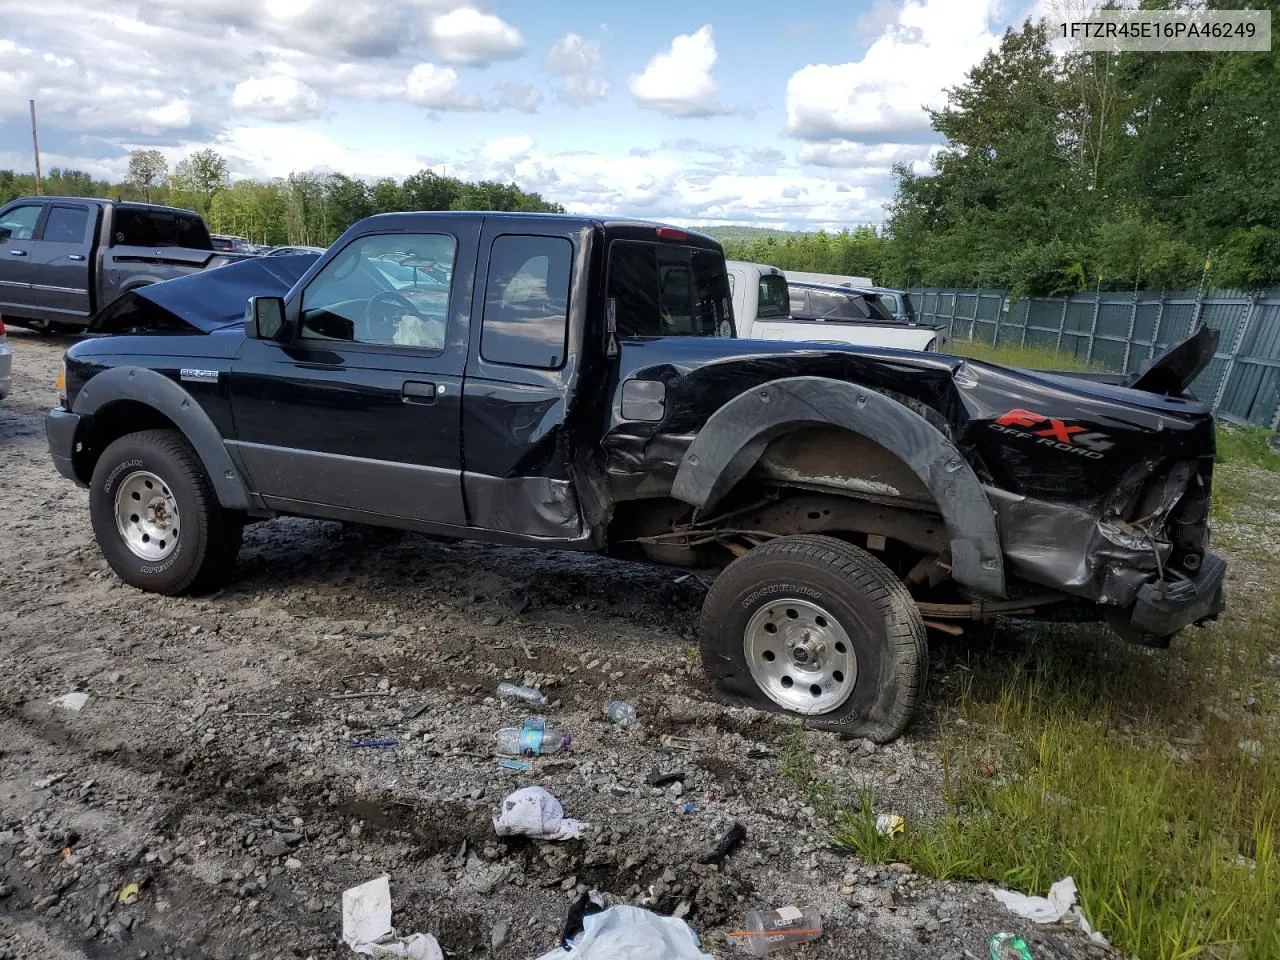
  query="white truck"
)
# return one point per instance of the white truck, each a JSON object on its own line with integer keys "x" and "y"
{"x": 763, "y": 310}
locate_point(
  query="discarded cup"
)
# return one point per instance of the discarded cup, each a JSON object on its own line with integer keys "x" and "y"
{"x": 768, "y": 931}
{"x": 507, "y": 690}
{"x": 1009, "y": 946}
{"x": 890, "y": 825}
{"x": 532, "y": 739}
{"x": 622, "y": 713}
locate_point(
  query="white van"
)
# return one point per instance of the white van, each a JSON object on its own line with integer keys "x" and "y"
{"x": 762, "y": 310}
{"x": 835, "y": 279}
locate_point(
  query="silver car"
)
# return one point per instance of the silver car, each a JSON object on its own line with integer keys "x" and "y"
{"x": 6, "y": 363}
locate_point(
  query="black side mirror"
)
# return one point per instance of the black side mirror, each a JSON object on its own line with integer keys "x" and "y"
{"x": 5, "y": 234}
{"x": 264, "y": 318}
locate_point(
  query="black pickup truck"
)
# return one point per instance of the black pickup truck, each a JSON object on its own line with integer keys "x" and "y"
{"x": 64, "y": 258}
{"x": 557, "y": 382}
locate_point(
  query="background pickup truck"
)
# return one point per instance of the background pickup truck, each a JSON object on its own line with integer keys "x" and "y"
{"x": 565, "y": 383}
{"x": 64, "y": 258}
{"x": 766, "y": 307}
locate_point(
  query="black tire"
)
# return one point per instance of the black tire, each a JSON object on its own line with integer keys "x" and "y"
{"x": 869, "y": 604}
{"x": 209, "y": 536}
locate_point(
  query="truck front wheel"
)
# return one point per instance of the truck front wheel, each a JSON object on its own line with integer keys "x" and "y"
{"x": 815, "y": 626}
{"x": 155, "y": 515}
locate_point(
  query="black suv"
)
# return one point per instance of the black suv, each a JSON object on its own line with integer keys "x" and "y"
{"x": 572, "y": 383}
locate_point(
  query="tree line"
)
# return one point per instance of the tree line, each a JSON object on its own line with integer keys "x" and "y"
{"x": 1090, "y": 171}
{"x": 303, "y": 208}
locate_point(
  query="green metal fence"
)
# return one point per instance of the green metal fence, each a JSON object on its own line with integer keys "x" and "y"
{"x": 1121, "y": 332}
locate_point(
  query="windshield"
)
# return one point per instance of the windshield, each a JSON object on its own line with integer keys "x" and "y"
{"x": 135, "y": 227}
{"x": 774, "y": 299}
{"x": 667, "y": 290}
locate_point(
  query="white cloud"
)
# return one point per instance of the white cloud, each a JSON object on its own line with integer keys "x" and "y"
{"x": 678, "y": 81}
{"x": 506, "y": 150}
{"x": 277, "y": 97}
{"x": 470, "y": 37}
{"x": 437, "y": 88}
{"x": 577, "y": 61}
{"x": 515, "y": 95}
{"x": 879, "y": 157}
{"x": 929, "y": 46}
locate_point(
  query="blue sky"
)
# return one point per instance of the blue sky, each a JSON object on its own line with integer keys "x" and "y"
{"x": 779, "y": 115}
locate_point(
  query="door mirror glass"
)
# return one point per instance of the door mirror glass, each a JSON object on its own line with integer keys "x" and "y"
{"x": 264, "y": 318}
{"x": 5, "y": 234}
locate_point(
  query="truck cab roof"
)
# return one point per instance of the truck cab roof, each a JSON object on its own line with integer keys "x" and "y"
{"x": 623, "y": 228}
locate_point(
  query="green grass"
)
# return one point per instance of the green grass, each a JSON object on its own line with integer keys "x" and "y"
{"x": 1068, "y": 752}
{"x": 1032, "y": 358}
{"x": 1247, "y": 445}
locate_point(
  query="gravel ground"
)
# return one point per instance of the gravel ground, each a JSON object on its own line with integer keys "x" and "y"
{"x": 212, "y": 763}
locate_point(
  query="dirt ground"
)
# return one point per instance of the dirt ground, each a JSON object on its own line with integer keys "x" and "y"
{"x": 212, "y": 764}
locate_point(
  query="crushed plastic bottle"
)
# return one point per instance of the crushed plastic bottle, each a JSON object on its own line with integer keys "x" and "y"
{"x": 1009, "y": 946}
{"x": 768, "y": 931}
{"x": 622, "y": 713}
{"x": 533, "y": 738}
{"x": 521, "y": 693}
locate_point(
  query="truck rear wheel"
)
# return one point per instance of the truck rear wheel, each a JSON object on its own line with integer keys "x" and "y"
{"x": 155, "y": 515}
{"x": 815, "y": 626}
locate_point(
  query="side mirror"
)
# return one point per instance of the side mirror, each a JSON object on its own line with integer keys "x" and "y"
{"x": 264, "y": 318}
{"x": 5, "y": 234}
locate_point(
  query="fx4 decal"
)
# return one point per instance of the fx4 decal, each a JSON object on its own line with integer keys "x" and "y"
{"x": 1051, "y": 432}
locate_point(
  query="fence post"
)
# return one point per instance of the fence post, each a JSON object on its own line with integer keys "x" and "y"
{"x": 1093, "y": 325}
{"x": 973, "y": 321}
{"x": 1133, "y": 321}
{"x": 1026, "y": 318}
{"x": 1155, "y": 330}
{"x": 1062, "y": 323}
{"x": 1236, "y": 343}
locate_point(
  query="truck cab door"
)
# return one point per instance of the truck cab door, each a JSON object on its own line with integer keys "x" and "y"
{"x": 519, "y": 408}
{"x": 61, "y": 267}
{"x": 357, "y": 414}
{"x": 18, "y": 225}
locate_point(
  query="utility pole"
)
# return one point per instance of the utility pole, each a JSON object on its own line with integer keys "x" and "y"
{"x": 35, "y": 146}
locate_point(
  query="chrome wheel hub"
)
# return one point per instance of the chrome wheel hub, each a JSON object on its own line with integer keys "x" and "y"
{"x": 147, "y": 516}
{"x": 800, "y": 656}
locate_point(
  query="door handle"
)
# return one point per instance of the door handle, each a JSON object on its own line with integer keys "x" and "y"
{"x": 75, "y": 256}
{"x": 18, "y": 253}
{"x": 415, "y": 391}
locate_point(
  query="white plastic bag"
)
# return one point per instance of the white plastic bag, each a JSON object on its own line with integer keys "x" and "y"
{"x": 632, "y": 933}
{"x": 366, "y": 925}
{"x": 1058, "y": 907}
{"x": 533, "y": 812}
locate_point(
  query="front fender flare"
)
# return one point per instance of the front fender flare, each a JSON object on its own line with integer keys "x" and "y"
{"x": 735, "y": 436}
{"x": 157, "y": 391}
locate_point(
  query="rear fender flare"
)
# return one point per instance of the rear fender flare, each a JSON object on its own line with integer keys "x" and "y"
{"x": 735, "y": 436}
{"x": 157, "y": 391}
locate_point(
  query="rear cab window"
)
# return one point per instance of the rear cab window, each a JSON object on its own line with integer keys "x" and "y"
{"x": 526, "y": 302}
{"x": 65, "y": 225}
{"x": 137, "y": 227}
{"x": 668, "y": 290}
{"x": 775, "y": 300}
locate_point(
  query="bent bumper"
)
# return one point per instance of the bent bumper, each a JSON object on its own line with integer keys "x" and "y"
{"x": 61, "y": 427}
{"x": 1164, "y": 608}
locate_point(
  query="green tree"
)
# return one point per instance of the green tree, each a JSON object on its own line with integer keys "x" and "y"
{"x": 147, "y": 170}
{"x": 200, "y": 176}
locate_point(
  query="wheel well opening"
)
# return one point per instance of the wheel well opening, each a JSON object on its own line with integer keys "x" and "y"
{"x": 112, "y": 422}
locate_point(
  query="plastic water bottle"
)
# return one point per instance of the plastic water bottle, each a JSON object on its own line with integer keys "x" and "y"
{"x": 768, "y": 931}
{"x": 622, "y": 713}
{"x": 531, "y": 739}
{"x": 522, "y": 693}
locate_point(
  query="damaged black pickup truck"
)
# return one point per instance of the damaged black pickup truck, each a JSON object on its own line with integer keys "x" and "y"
{"x": 572, "y": 383}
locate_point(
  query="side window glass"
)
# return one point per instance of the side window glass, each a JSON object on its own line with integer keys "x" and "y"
{"x": 66, "y": 225}
{"x": 388, "y": 289}
{"x": 798, "y": 306}
{"x": 20, "y": 222}
{"x": 526, "y": 302}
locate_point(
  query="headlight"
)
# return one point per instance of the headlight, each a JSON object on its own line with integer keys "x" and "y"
{"x": 62, "y": 384}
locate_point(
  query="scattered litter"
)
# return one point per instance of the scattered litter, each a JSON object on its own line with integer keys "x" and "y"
{"x": 768, "y": 931}
{"x": 621, "y": 713}
{"x": 726, "y": 844}
{"x": 128, "y": 894}
{"x": 359, "y": 695}
{"x": 416, "y": 710}
{"x": 507, "y": 690}
{"x": 1058, "y": 907}
{"x": 658, "y": 779}
{"x": 687, "y": 744}
{"x": 71, "y": 701}
{"x": 632, "y": 933}
{"x": 516, "y": 765}
{"x": 534, "y": 812}
{"x": 375, "y": 743}
{"x": 587, "y": 904}
{"x": 366, "y": 925}
{"x": 690, "y": 808}
{"x": 533, "y": 738}
{"x": 890, "y": 825}
{"x": 1009, "y": 946}
{"x": 1251, "y": 748}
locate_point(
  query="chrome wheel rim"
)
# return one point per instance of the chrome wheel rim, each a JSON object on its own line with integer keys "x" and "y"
{"x": 800, "y": 656}
{"x": 147, "y": 516}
